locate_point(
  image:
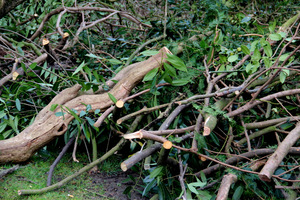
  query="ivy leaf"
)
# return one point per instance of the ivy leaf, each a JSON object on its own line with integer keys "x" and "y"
{"x": 176, "y": 62}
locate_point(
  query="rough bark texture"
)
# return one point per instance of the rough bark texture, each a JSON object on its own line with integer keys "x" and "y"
{"x": 280, "y": 153}
{"x": 47, "y": 126}
{"x": 227, "y": 181}
{"x": 8, "y": 5}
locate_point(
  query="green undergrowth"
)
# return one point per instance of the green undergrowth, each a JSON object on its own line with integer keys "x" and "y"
{"x": 33, "y": 175}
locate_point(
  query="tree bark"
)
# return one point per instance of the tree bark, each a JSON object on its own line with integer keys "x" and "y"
{"x": 47, "y": 126}
{"x": 280, "y": 153}
{"x": 8, "y": 5}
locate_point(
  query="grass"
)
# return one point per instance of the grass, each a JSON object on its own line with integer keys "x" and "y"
{"x": 33, "y": 175}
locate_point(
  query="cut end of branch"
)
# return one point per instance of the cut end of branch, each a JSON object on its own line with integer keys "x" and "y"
{"x": 167, "y": 144}
{"x": 178, "y": 102}
{"x": 206, "y": 131}
{"x": 15, "y": 75}
{"x": 123, "y": 167}
{"x": 119, "y": 121}
{"x": 264, "y": 177}
{"x": 134, "y": 135}
{"x": 65, "y": 35}
{"x": 45, "y": 41}
{"x": 202, "y": 158}
{"x": 120, "y": 104}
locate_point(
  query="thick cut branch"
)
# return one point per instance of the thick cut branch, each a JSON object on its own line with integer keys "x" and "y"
{"x": 238, "y": 158}
{"x": 47, "y": 126}
{"x": 227, "y": 181}
{"x": 282, "y": 150}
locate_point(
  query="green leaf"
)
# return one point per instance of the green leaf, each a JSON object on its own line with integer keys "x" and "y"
{"x": 171, "y": 71}
{"x": 180, "y": 82}
{"x": 2, "y": 127}
{"x": 268, "y": 50}
{"x": 267, "y": 62}
{"x": 203, "y": 195}
{"x": 238, "y": 193}
{"x": 32, "y": 66}
{"x": 88, "y": 71}
{"x": 53, "y": 107}
{"x": 58, "y": 114}
{"x": 91, "y": 122}
{"x": 256, "y": 55}
{"x": 2, "y": 114}
{"x": 112, "y": 98}
{"x": 283, "y": 34}
{"x": 88, "y": 107}
{"x": 79, "y": 68}
{"x": 282, "y": 76}
{"x": 254, "y": 45}
{"x": 20, "y": 50}
{"x": 203, "y": 177}
{"x": 156, "y": 172}
{"x": 163, "y": 192}
{"x": 149, "y": 186}
{"x": 18, "y": 104}
{"x": 246, "y": 19}
{"x": 233, "y": 58}
{"x": 93, "y": 56}
{"x": 150, "y": 75}
{"x": 192, "y": 188}
{"x": 97, "y": 111}
{"x": 82, "y": 113}
{"x": 284, "y": 56}
{"x": 272, "y": 27}
{"x": 86, "y": 132}
{"x": 176, "y": 62}
{"x": 245, "y": 50}
{"x": 275, "y": 36}
{"x": 114, "y": 61}
{"x": 73, "y": 113}
{"x": 149, "y": 53}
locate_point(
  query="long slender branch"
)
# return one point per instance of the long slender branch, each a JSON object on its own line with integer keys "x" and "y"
{"x": 264, "y": 99}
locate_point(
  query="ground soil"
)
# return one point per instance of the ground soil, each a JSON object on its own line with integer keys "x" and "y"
{"x": 116, "y": 183}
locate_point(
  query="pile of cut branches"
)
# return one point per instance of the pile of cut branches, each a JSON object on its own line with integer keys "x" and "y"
{"x": 243, "y": 106}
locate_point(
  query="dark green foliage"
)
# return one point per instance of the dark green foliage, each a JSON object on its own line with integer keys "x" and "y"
{"x": 220, "y": 28}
